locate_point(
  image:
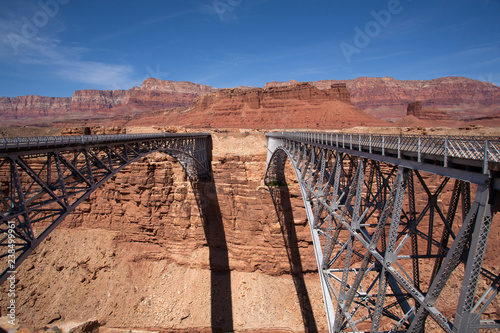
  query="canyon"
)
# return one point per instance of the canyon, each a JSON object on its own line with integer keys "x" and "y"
{"x": 137, "y": 253}
{"x": 151, "y": 251}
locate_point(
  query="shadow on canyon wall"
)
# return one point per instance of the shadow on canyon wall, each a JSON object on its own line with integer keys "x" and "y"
{"x": 220, "y": 274}
{"x": 221, "y": 303}
{"x": 205, "y": 193}
{"x": 281, "y": 200}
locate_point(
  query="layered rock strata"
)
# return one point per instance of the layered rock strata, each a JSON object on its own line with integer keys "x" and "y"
{"x": 298, "y": 106}
{"x": 152, "y": 95}
{"x": 387, "y": 97}
{"x": 85, "y": 100}
{"x": 33, "y": 106}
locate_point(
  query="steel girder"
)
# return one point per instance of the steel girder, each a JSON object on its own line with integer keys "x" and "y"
{"x": 42, "y": 180}
{"x": 397, "y": 249}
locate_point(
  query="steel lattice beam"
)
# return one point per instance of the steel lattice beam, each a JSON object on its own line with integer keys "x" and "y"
{"x": 385, "y": 258}
{"x": 42, "y": 180}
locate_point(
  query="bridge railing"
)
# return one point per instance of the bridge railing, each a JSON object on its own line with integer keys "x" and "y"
{"x": 478, "y": 148}
{"x": 51, "y": 141}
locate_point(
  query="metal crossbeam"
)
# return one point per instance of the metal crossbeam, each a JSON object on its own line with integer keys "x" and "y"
{"x": 42, "y": 180}
{"x": 394, "y": 230}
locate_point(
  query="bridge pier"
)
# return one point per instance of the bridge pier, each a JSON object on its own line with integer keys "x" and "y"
{"x": 394, "y": 237}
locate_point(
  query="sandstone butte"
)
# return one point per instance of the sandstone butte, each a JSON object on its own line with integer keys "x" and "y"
{"x": 136, "y": 254}
{"x": 298, "y": 105}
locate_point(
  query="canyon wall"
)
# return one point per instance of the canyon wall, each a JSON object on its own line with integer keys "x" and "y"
{"x": 157, "y": 94}
{"x": 265, "y": 97}
{"x": 33, "y": 106}
{"x": 90, "y": 100}
{"x": 183, "y": 87}
{"x": 387, "y": 97}
{"x": 152, "y": 95}
{"x": 151, "y": 251}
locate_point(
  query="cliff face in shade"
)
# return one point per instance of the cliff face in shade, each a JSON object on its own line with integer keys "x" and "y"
{"x": 386, "y": 97}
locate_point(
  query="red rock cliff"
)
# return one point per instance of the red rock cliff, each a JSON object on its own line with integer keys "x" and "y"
{"x": 154, "y": 94}
{"x": 84, "y": 100}
{"x": 297, "y": 106}
{"x": 184, "y": 87}
{"x": 266, "y": 97}
{"x": 387, "y": 97}
{"x": 33, "y": 106}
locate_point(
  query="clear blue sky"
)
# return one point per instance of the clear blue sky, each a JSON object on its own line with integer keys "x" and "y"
{"x": 53, "y": 47}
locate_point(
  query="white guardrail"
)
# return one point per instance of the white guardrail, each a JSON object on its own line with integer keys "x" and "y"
{"x": 485, "y": 149}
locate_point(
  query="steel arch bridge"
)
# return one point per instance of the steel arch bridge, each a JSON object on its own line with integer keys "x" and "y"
{"x": 43, "y": 179}
{"x": 399, "y": 225}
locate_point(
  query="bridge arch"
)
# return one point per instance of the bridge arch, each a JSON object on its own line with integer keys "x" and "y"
{"x": 385, "y": 256}
{"x": 42, "y": 180}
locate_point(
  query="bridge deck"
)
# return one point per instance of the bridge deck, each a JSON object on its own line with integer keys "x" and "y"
{"x": 7, "y": 145}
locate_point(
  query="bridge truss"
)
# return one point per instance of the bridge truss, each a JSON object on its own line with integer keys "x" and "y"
{"x": 400, "y": 226}
{"x": 42, "y": 180}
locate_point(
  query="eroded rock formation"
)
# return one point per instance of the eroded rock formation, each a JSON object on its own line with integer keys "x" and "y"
{"x": 85, "y": 100}
{"x": 136, "y": 254}
{"x": 416, "y": 109}
{"x": 152, "y": 95}
{"x": 94, "y": 130}
{"x": 387, "y": 97}
{"x": 33, "y": 106}
{"x": 298, "y": 106}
